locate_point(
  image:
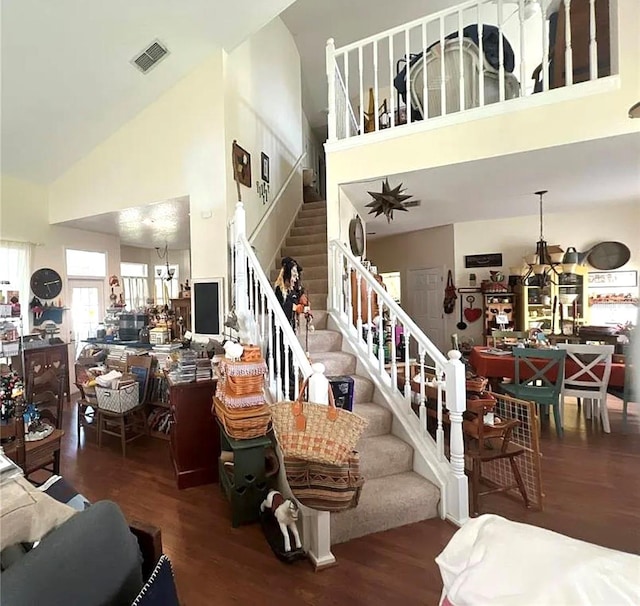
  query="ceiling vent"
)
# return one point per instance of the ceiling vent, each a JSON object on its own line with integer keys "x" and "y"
{"x": 412, "y": 203}
{"x": 150, "y": 56}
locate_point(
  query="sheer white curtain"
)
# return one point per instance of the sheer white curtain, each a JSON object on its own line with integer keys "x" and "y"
{"x": 15, "y": 268}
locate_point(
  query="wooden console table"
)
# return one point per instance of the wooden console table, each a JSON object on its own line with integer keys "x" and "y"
{"x": 195, "y": 439}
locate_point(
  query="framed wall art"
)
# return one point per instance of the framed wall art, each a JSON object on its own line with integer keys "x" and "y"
{"x": 613, "y": 279}
{"x": 264, "y": 163}
{"x": 485, "y": 260}
{"x": 241, "y": 165}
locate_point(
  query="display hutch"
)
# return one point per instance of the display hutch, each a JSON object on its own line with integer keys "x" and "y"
{"x": 557, "y": 308}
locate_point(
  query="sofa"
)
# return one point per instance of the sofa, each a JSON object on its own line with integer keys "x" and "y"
{"x": 90, "y": 557}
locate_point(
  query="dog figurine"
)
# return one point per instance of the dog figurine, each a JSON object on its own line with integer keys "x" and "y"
{"x": 286, "y": 514}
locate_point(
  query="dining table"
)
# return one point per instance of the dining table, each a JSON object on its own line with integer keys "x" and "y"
{"x": 499, "y": 366}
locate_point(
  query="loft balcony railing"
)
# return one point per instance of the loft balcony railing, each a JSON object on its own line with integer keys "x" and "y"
{"x": 478, "y": 53}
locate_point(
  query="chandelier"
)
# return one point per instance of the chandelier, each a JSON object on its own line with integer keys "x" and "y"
{"x": 541, "y": 263}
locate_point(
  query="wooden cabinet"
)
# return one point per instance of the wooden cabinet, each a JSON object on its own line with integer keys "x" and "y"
{"x": 38, "y": 360}
{"x": 570, "y": 295}
{"x": 182, "y": 309}
{"x": 194, "y": 436}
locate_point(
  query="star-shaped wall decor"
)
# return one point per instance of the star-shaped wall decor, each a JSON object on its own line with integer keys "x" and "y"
{"x": 388, "y": 200}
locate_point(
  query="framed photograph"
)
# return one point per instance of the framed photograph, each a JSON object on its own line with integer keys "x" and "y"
{"x": 613, "y": 279}
{"x": 485, "y": 260}
{"x": 264, "y": 163}
{"x": 242, "y": 165}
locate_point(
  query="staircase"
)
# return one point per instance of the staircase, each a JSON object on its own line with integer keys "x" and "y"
{"x": 393, "y": 494}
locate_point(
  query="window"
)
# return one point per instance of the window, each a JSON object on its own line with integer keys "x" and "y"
{"x": 392, "y": 282}
{"x": 15, "y": 271}
{"x": 135, "y": 284}
{"x": 86, "y": 263}
{"x": 165, "y": 289}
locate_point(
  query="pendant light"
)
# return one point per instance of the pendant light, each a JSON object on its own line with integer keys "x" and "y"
{"x": 543, "y": 266}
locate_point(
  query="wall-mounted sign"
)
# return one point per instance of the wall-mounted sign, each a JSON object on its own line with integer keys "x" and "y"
{"x": 486, "y": 260}
{"x": 613, "y": 279}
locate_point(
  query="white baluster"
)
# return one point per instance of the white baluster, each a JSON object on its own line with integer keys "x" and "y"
{"x": 407, "y": 54}
{"x": 481, "y": 55}
{"x": 407, "y": 367}
{"x": 287, "y": 377}
{"x": 545, "y": 47}
{"x": 376, "y": 93}
{"x": 347, "y": 289}
{"x": 381, "y": 336}
{"x": 278, "y": 361}
{"x": 443, "y": 74}
{"x": 500, "y": 51}
{"x": 393, "y": 348}
{"x": 392, "y": 97}
{"x": 270, "y": 342}
{"x": 358, "y": 303}
{"x": 296, "y": 375}
{"x": 251, "y": 284}
{"x": 263, "y": 315}
{"x": 523, "y": 68}
{"x": 240, "y": 222}
{"x": 461, "y": 62}
{"x": 361, "y": 91}
{"x": 425, "y": 88}
{"x": 331, "y": 82}
{"x": 423, "y": 395}
{"x": 347, "y": 127}
{"x": 568, "y": 52}
{"x": 369, "y": 323}
{"x": 593, "y": 42}
{"x": 440, "y": 430}
{"x": 457, "y": 488}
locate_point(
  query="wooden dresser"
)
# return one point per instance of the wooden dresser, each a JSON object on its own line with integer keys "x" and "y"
{"x": 194, "y": 435}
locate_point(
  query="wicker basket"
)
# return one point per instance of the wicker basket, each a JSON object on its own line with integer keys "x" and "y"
{"x": 477, "y": 384}
{"x": 231, "y": 401}
{"x": 243, "y": 423}
{"x": 251, "y": 353}
{"x": 243, "y": 378}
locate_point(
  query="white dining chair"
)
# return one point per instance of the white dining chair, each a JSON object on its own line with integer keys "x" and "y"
{"x": 585, "y": 382}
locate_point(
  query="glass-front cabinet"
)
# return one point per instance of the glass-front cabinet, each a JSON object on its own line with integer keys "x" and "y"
{"x": 557, "y": 308}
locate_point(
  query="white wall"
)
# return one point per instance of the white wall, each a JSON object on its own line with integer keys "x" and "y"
{"x": 263, "y": 112}
{"x": 174, "y": 147}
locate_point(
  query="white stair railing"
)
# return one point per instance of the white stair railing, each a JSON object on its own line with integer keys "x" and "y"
{"x": 388, "y": 342}
{"x": 287, "y": 362}
{"x": 453, "y": 76}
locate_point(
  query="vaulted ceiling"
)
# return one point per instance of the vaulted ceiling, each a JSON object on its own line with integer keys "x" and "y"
{"x": 67, "y": 80}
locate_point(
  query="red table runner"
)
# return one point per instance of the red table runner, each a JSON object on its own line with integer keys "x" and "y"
{"x": 497, "y": 367}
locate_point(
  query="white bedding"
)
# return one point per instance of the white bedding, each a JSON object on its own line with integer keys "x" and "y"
{"x": 493, "y": 561}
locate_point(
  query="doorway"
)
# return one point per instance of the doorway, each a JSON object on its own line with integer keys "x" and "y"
{"x": 425, "y": 302}
{"x": 87, "y": 310}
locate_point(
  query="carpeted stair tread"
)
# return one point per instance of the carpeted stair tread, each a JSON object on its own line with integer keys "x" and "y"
{"x": 378, "y": 417}
{"x": 336, "y": 362}
{"x": 313, "y": 272}
{"x": 319, "y": 222}
{"x": 314, "y": 285}
{"x": 308, "y": 230}
{"x": 363, "y": 388}
{"x": 319, "y": 238}
{"x": 312, "y": 212}
{"x": 385, "y": 455}
{"x": 319, "y": 320}
{"x": 311, "y": 261}
{"x": 385, "y": 503}
{"x": 317, "y": 300}
{"x": 314, "y": 205}
{"x": 304, "y": 250}
{"x": 320, "y": 340}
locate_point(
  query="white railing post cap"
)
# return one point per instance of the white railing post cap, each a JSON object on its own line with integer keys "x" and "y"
{"x": 318, "y": 368}
{"x": 331, "y": 42}
{"x": 454, "y": 354}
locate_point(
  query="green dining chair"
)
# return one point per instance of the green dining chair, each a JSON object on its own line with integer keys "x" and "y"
{"x": 545, "y": 366}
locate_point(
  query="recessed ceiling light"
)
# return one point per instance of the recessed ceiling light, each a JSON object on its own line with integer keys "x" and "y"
{"x": 148, "y": 221}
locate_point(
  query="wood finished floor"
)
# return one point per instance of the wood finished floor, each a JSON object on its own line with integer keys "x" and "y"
{"x": 591, "y": 482}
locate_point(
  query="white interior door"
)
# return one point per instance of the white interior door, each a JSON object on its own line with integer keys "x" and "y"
{"x": 87, "y": 309}
{"x": 426, "y": 294}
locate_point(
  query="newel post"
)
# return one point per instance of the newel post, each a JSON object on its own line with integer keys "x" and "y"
{"x": 457, "y": 488}
{"x": 331, "y": 81}
{"x": 240, "y": 279}
{"x": 317, "y": 524}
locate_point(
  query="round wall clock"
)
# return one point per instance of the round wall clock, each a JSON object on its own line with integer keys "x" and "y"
{"x": 46, "y": 283}
{"x": 356, "y": 236}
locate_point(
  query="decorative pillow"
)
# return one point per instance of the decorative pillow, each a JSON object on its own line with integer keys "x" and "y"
{"x": 27, "y": 514}
{"x": 160, "y": 589}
